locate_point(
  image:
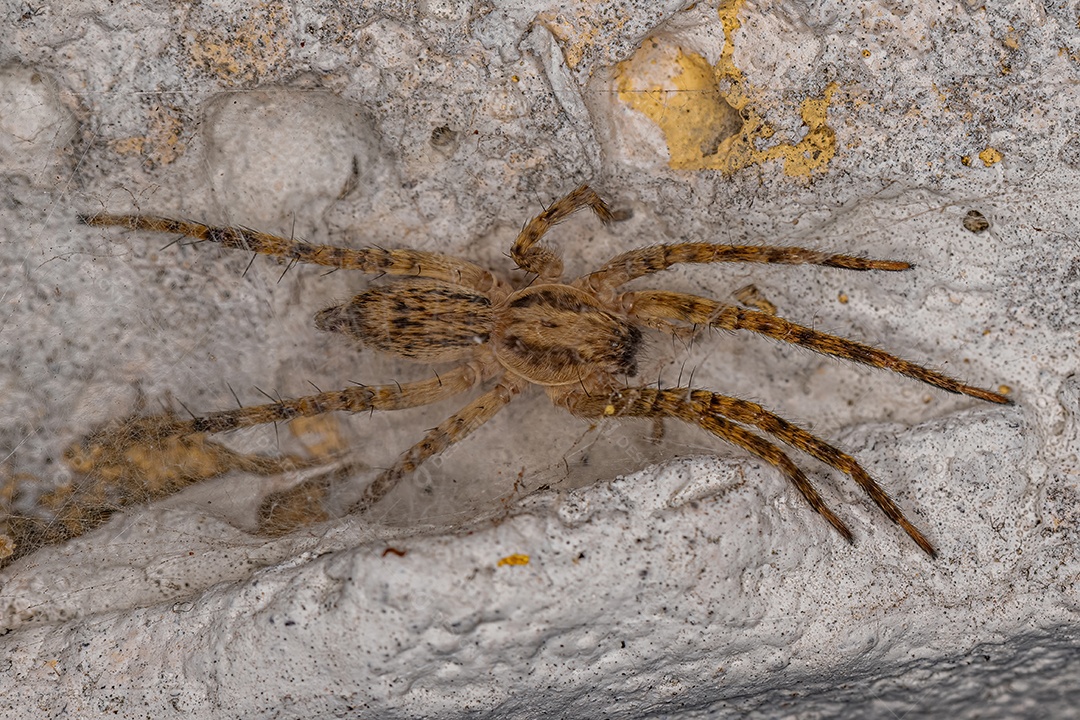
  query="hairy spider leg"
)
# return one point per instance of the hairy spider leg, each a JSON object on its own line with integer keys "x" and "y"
{"x": 680, "y": 404}
{"x": 749, "y": 413}
{"x": 353, "y": 399}
{"x": 648, "y": 260}
{"x": 372, "y": 260}
{"x": 652, "y": 305}
{"x": 451, "y": 430}
{"x": 303, "y": 504}
{"x": 545, "y": 262}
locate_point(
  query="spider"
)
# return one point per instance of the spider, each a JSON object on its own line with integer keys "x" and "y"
{"x": 578, "y": 339}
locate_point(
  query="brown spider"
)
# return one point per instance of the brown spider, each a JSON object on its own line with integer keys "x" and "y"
{"x": 576, "y": 339}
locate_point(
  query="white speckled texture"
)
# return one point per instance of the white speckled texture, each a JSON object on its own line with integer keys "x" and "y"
{"x": 700, "y": 587}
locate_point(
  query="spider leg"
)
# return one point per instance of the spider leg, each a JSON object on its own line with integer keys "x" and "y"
{"x": 645, "y": 261}
{"x": 303, "y": 504}
{"x": 694, "y": 407}
{"x": 679, "y": 332}
{"x": 455, "y": 428}
{"x": 154, "y": 428}
{"x": 543, "y": 261}
{"x": 653, "y": 305}
{"x": 749, "y": 413}
{"x": 372, "y": 260}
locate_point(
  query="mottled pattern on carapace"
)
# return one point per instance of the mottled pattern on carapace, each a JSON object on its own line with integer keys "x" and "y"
{"x": 556, "y": 334}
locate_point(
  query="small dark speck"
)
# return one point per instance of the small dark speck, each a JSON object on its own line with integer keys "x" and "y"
{"x": 975, "y": 221}
{"x": 289, "y": 622}
{"x": 443, "y": 136}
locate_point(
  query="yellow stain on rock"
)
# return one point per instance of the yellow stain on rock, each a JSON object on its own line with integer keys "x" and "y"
{"x": 990, "y": 156}
{"x": 699, "y": 124}
{"x": 575, "y": 29}
{"x": 515, "y": 559}
{"x": 706, "y": 111}
{"x": 251, "y": 47}
{"x": 162, "y": 143}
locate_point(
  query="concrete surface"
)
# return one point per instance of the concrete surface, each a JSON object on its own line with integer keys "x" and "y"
{"x": 516, "y": 577}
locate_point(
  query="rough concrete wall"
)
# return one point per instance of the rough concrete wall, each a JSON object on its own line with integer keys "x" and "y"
{"x": 702, "y": 586}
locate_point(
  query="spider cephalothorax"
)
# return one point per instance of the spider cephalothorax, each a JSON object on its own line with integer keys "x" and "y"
{"x": 579, "y": 339}
{"x": 557, "y": 335}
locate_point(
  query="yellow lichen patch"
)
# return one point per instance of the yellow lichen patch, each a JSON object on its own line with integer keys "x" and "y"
{"x": 1011, "y": 39}
{"x": 706, "y": 111}
{"x": 162, "y": 144}
{"x": 578, "y": 34}
{"x": 698, "y": 123}
{"x": 250, "y": 47}
{"x": 990, "y": 156}
{"x": 817, "y": 147}
{"x": 515, "y": 559}
{"x": 729, "y": 18}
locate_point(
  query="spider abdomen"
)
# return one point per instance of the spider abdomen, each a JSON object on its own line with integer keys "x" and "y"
{"x": 419, "y": 319}
{"x": 557, "y": 335}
